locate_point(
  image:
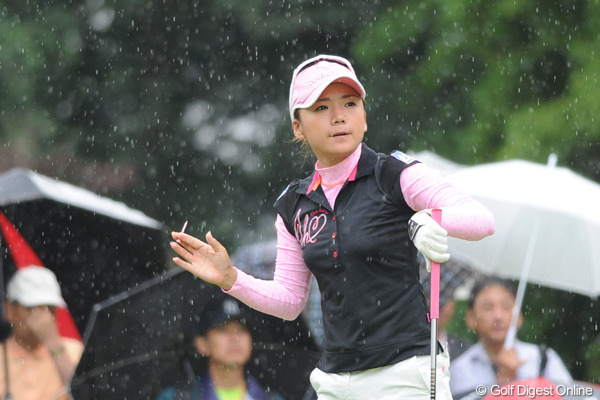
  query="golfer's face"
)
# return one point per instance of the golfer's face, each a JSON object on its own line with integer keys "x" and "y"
{"x": 491, "y": 313}
{"x": 229, "y": 345}
{"x": 334, "y": 126}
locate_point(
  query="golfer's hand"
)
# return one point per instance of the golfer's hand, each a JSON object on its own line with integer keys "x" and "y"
{"x": 208, "y": 260}
{"x": 429, "y": 238}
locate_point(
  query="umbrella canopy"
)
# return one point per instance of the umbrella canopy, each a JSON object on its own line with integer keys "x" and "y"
{"x": 547, "y": 220}
{"x": 547, "y": 227}
{"x": 139, "y": 342}
{"x": 97, "y": 247}
{"x": 437, "y": 162}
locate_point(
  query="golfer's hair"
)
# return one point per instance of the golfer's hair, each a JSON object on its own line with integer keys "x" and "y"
{"x": 487, "y": 282}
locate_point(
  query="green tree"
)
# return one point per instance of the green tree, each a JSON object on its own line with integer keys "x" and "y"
{"x": 481, "y": 82}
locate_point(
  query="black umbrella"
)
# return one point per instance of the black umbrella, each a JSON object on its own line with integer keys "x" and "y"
{"x": 139, "y": 342}
{"x": 97, "y": 247}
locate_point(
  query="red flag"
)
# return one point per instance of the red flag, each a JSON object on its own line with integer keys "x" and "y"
{"x": 24, "y": 256}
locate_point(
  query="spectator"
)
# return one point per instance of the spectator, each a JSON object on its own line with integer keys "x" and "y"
{"x": 40, "y": 362}
{"x": 487, "y": 362}
{"x": 225, "y": 340}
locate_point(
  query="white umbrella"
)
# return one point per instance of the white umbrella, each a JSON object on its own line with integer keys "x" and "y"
{"x": 437, "y": 162}
{"x": 547, "y": 226}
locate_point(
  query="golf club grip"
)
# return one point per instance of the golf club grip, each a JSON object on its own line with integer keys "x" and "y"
{"x": 436, "y": 215}
{"x": 434, "y": 297}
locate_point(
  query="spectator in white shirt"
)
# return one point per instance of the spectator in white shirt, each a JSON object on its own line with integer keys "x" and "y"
{"x": 487, "y": 362}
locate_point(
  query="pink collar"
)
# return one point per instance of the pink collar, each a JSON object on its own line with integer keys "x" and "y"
{"x": 346, "y": 170}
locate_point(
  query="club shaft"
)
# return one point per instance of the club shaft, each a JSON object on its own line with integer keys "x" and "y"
{"x": 434, "y": 331}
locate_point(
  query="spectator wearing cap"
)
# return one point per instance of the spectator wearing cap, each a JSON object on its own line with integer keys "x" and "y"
{"x": 453, "y": 274}
{"x": 224, "y": 339}
{"x": 38, "y": 363}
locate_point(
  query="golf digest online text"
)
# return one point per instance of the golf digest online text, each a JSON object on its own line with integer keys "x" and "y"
{"x": 534, "y": 392}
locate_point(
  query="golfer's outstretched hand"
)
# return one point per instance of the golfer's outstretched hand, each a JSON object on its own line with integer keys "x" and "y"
{"x": 208, "y": 260}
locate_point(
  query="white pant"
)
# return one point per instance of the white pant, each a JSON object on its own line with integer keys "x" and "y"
{"x": 406, "y": 380}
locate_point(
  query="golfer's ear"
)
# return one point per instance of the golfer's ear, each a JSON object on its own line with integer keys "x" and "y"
{"x": 201, "y": 345}
{"x": 297, "y": 130}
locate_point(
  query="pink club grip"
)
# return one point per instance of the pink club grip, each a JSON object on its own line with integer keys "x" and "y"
{"x": 436, "y": 214}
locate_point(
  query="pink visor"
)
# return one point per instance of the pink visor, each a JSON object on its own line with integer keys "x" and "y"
{"x": 314, "y": 75}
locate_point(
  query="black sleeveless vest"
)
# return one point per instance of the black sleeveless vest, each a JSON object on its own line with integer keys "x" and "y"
{"x": 374, "y": 309}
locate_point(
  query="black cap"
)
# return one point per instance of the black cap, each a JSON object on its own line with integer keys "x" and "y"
{"x": 219, "y": 312}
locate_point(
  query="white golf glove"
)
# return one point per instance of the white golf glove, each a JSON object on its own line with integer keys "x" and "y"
{"x": 430, "y": 239}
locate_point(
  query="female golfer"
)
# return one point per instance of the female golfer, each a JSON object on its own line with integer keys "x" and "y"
{"x": 355, "y": 224}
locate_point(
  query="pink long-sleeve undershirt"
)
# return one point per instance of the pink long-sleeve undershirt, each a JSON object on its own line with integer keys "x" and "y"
{"x": 423, "y": 189}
